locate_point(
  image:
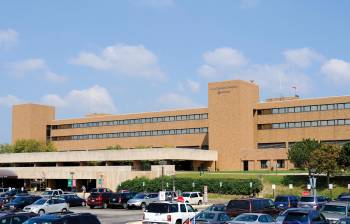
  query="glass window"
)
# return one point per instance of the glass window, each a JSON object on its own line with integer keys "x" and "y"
{"x": 306, "y": 108}
{"x": 182, "y": 207}
{"x": 143, "y": 120}
{"x": 154, "y": 133}
{"x": 281, "y": 163}
{"x": 340, "y": 106}
{"x": 282, "y": 125}
{"x": 204, "y": 130}
{"x": 154, "y": 120}
{"x": 263, "y": 164}
{"x": 314, "y": 123}
{"x": 191, "y": 131}
{"x": 298, "y": 124}
{"x": 275, "y": 126}
{"x": 178, "y": 131}
{"x": 192, "y": 117}
{"x": 178, "y": 118}
{"x": 323, "y": 107}
{"x": 275, "y": 111}
{"x": 197, "y": 130}
{"x": 330, "y": 107}
{"x": 183, "y": 117}
{"x": 196, "y": 117}
{"x": 184, "y": 131}
{"x": 160, "y": 132}
{"x": 132, "y": 121}
{"x": 323, "y": 123}
{"x": 204, "y": 116}
{"x": 330, "y": 123}
{"x": 347, "y": 106}
{"x": 281, "y": 110}
{"x": 172, "y": 118}
{"x": 297, "y": 109}
{"x": 166, "y": 119}
{"x": 341, "y": 122}
{"x": 190, "y": 208}
{"x": 291, "y": 110}
{"x": 314, "y": 108}
{"x": 166, "y": 132}
{"x": 291, "y": 125}
{"x": 160, "y": 119}
{"x": 148, "y": 120}
{"x": 307, "y": 124}
{"x": 347, "y": 121}
{"x": 132, "y": 134}
{"x": 172, "y": 132}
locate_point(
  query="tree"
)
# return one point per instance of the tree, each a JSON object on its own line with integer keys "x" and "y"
{"x": 300, "y": 153}
{"x": 32, "y": 145}
{"x": 5, "y": 148}
{"x": 325, "y": 159}
{"x": 344, "y": 157}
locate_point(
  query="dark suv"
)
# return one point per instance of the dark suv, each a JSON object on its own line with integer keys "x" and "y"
{"x": 286, "y": 201}
{"x": 121, "y": 199}
{"x": 19, "y": 202}
{"x": 301, "y": 216}
{"x": 70, "y": 218}
{"x": 99, "y": 199}
{"x": 15, "y": 218}
{"x": 252, "y": 205}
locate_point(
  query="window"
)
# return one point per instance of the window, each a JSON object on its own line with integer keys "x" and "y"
{"x": 281, "y": 164}
{"x": 282, "y": 125}
{"x": 291, "y": 110}
{"x": 281, "y": 110}
{"x": 330, "y": 107}
{"x": 204, "y": 116}
{"x": 307, "y": 108}
{"x": 323, "y": 107}
{"x": 274, "y": 126}
{"x": 271, "y": 145}
{"x": 263, "y": 164}
{"x": 298, "y": 124}
{"x": 307, "y": 124}
{"x": 190, "y": 208}
{"x": 323, "y": 123}
{"x": 341, "y": 122}
{"x": 182, "y": 207}
{"x": 330, "y": 123}
{"x": 347, "y": 121}
{"x": 297, "y": 109}
{"x": 196, "y": 117}
{"x": 172, "y": 118}
{"x": 347, "y": 106}
{"x": 291, "y": 125}
{"x": 314, "y": 123}
{"x": 166, "y": 119}
{"x": 178, "y": 118}
{"x": 275, "y": 111}
{"x": 340, "y": 106}
{"x": 314, "y": 108}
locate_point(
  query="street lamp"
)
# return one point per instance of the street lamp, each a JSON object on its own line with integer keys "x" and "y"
{"x": 313, "y": 181}
{"x": 162, "y": 162}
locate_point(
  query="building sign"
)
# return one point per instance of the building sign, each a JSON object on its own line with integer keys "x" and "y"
{"x": 70, "y": 183}
{"x": 223, "y": 90}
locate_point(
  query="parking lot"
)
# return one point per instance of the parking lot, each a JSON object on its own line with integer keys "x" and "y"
{"x": 112, "y": 216}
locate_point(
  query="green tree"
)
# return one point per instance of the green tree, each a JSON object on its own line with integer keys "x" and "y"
{"x": 5, "y": 148}
{"x": 300, "y": 153}
{"x": 344, "y": 157}
{"x": 325, "y": 159}
{"x": 31, "y": 145}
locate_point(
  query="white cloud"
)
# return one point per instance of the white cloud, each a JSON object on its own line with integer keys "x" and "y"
{"x": 190, "y": 85}
{"x": 175, "y": 100}
{"x": 221, "y": 59}
{"x": 9, "y": 101}
{"x": 245, "y": 4}
{"x": 130, "y": 60}
{"x": 92, "y": 100}
{"x": 8, "y": 38}
{"x": 337, "y": 70}
{"x": 302, "y": 57}
{"x": 33, "y": 66}
{"x": 53, "y": 77}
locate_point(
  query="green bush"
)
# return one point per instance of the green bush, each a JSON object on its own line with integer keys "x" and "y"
{"x": 229, "y": 186}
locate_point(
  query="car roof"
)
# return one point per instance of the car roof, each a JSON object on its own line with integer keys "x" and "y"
{"x": 58, "y": 216}
{"x": 252, "y": 213}
{"x": 345, "y": 203}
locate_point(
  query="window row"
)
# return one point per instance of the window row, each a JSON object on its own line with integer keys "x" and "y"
{"x": 304, "y": 124}
{"x": 308, "y": 108}
{"x": 280, "y": 163}
{"x": 134, "y": 121}
{"x": 132, "y": 134}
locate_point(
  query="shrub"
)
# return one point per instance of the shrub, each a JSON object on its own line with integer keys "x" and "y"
{"x": 229, "y": 186}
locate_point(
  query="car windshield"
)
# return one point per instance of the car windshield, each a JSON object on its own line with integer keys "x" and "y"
{"x": 246, "y": 218}
{"x": 18, "y": 200}
{"x": 219, "y": 208}
{"x": 340, "y": 209}
{"x": 186, "y": 195}
{"x": 42, "y": 221}
{"x": 48, "y": 193}
{"x": 40, "y": 202}
{"x": 307, "y": 199}
{"x": 296, "y": 216}
{"x": 281, "y": 199}
{"x": 205, "y": 216}
{"x": 140, "y": 196}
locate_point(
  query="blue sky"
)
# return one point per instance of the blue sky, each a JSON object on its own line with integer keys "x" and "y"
{"x": 146, "y": 55}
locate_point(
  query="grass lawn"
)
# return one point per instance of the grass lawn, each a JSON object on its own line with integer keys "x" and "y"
{"x": 281, "y": 180}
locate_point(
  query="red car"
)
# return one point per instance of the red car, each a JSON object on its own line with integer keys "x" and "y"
{"x": 99, "y": 199}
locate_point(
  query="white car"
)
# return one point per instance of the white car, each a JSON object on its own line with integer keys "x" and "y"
{"x": 168, "y": 212}
{"x": 52, "y": 193}
{"x": 254, "y": 218}
{"x": 193, "y": 198}
{"x": 45, "y": 205}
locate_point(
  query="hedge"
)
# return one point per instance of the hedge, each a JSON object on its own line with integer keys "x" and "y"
{"x": 229, "y": 186}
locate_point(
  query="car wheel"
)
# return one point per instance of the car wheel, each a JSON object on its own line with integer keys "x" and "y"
{"x": 143, "y": 206}
{"x": 64, "y": 210}
{"x": 199, "y": 202}
{"x": 178, "y": 222}
{"x": 125, "y": 205}
{"x": 105, "y": 205}
{"x": 83, "y": 203}
{"x": 92, "y": 207}
{"x": 41, "y": 212}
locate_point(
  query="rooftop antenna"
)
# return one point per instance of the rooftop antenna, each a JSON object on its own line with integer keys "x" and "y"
{"x": 295, "y": 91}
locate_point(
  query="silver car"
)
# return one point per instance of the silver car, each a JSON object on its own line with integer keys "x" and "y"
{"x": 333, "y": 211}
{"x": 315, "y": 202}
{"x": 252, "y": 218}
{"x": 141, "y": 200}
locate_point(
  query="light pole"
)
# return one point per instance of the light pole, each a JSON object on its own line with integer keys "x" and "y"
{"x": 313, "y": 181}
{"x": 3, "y": 181}
{"x": 162, "y": 162}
